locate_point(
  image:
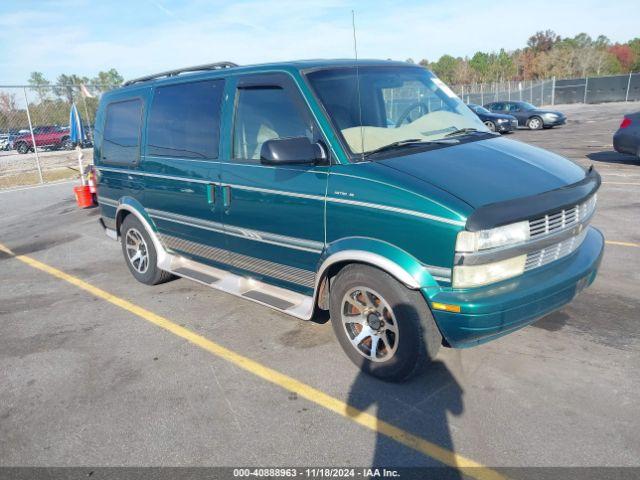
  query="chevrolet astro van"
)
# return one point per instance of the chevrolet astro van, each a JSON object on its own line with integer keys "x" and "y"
{"x": 368, "y": 191}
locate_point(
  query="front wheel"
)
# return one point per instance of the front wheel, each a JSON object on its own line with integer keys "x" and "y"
{"x": 535, "y": 123}
{"x": 140, "y": 253}
{"x": 490, "y": 125}
{"x": 386, "y": 329}
{"x": 22, "y": 148}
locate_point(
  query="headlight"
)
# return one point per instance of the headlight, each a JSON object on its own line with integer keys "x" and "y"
{"x": 502, "y": 120}
{"x": 467, "y": 276}
{"x": 551, "y": 115}
{"x": 495, "y": 237}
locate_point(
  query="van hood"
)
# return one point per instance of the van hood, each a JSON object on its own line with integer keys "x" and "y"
{"x": 489, "y": 171}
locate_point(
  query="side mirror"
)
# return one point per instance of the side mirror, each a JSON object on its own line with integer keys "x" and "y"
{"x": 293, "y": 150}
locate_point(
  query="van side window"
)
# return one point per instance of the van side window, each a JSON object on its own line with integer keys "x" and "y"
{"x": 266, "y": 113}
{"x": 122, "y": 132}
{"x": 184, "y": 120}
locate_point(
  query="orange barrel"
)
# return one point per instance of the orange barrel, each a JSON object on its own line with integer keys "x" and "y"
{"x": 83, "y": 196}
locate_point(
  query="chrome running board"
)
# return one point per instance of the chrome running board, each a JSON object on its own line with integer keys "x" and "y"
{"x": 283, "y": 300}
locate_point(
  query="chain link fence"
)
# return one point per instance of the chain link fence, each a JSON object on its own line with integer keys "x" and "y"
{"x": 34, "y": 132}
{"x": 616, "y": 88}
{"x": 34, "y": 121}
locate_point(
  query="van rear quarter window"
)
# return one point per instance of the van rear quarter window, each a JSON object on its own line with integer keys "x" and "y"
{"x": 184, "y": 120}
{"x": 121, "y": 144}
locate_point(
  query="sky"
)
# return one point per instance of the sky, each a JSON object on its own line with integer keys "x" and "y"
{"x": 139, "y": 37}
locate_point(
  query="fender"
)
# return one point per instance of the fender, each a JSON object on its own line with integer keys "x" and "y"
{"x": 133, "y": 206}
{"x": 398, "y": 263}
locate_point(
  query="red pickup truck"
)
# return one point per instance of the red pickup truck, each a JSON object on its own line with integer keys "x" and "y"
{"x": 50, "y": 136}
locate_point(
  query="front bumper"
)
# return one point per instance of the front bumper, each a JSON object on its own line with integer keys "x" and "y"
{"x": 495, "y": 310}
{"x": 505, "y": 127}
{"x": 554, "y": 123}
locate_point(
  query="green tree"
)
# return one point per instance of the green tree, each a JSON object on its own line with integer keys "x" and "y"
{"x": 480, "y": 64}
{"x": 66, "y": 86}
{"x": 502, "y": 66}
{"x": 40, "y": 84}
{"x": 108, "y": 80}
{"x": 445, "y": 68}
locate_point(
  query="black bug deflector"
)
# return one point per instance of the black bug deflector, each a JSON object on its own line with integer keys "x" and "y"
{"x": 525, "y": 208}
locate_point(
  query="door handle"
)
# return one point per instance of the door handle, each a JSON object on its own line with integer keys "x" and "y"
{"x": 226, "y": 198}
{"x": 211, "y": 194}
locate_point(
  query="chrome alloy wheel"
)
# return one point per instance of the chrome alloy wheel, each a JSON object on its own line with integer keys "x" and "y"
{"x": 535, "y": 123}
{"x": 137, "y": 251}
{"x": 370, "y": 324}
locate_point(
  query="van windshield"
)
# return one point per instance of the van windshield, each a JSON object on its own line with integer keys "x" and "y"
{"x": 398, "y": 106}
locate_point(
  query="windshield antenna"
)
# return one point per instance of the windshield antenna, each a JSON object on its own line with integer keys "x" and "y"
{"x": 355, "y": 51}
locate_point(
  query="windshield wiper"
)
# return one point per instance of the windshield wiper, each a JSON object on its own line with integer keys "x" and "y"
{"x": 404, "y": 143}
{"x": 464, "y": 131}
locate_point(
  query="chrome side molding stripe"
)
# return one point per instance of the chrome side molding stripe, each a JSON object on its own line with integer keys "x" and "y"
{"x": 244, "y": 262}
{"x": 403, "y": 211}
{"x": 107, "y": 201}
{"x": 126, "y": 171}
{"x": 249, "y": 234}
{"x": 344, "y": 201}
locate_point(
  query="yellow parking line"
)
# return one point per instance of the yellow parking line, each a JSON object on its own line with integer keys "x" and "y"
{"x": 465, "y": 465}
{"x": 622, "y": 244}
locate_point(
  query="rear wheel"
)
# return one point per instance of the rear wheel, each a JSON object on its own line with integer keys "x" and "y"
{"x": 535, "y": 123}
{"x": 66, "y": 144}
{"x": 140, "y": 253}
{"x": 386, "y": 329}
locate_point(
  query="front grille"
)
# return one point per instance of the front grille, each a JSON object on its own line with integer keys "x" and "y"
{"x": 562, "y": 220}
{"x": 554, "y": 252}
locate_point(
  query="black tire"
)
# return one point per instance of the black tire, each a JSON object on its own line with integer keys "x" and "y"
{"x": 418, "y": 339}
{"x": 152, "y": 275}
{"x": 535, "y": 123}
{"x": 66, "y": 144}
{"x": 22, "y": 148}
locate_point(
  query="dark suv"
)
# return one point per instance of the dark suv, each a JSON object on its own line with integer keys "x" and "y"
{"x": 50, "y": 136}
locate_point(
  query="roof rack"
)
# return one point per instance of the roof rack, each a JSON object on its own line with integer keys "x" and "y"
{"x": 178, "y": 71}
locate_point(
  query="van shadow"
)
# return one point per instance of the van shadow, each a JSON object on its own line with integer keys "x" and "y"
{"x": 420, "y": 406}
{"x": 611, "y": 156}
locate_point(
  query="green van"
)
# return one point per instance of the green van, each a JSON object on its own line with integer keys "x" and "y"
{"x": 366, "y": 191}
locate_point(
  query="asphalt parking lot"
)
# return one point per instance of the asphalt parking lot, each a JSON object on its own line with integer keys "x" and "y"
{"x": 90, "y": 380}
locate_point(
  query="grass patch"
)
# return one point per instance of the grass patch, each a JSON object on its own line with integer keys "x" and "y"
{"x": 32, "y": 178}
